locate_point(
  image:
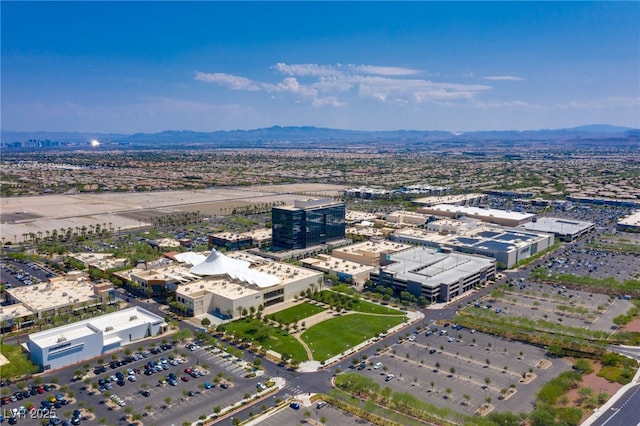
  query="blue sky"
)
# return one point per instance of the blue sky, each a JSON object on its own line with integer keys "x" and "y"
{"x": 150, "y": 66}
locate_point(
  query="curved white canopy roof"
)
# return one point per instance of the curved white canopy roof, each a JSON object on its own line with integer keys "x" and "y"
{"x": 190, "y": 257}
{"x": 219, "y": 264}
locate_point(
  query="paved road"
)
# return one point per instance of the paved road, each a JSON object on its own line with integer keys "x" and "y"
{"x": 624, "y": 412}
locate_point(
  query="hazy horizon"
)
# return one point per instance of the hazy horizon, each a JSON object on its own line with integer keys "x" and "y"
{"x": 147, "y": 67}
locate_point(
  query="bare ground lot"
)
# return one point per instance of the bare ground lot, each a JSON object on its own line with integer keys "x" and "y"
{"x": 24, "y": 215}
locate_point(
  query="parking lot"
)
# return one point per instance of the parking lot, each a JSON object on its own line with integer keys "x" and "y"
{"x": 14, "y": 273}
{"x": 460, "y": 369}
{"x": 584, "y": 261}
{"x": 112, "y": 387}
{"x": 554, "y": 302}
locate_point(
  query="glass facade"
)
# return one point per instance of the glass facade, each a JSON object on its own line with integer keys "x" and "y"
{"x": 299, "y": 228}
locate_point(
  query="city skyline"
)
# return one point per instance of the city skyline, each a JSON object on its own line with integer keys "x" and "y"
{"x": 206, "y": 66}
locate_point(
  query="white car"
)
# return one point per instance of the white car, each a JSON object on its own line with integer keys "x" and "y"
{"x": 451, "y": 339}
{"x": 412, "y": 338}
{"x": 377, "y": 366}
{"x": 390, "y": 377}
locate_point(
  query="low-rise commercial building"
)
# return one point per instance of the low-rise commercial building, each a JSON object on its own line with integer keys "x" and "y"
{"x": 230, "y": 285}
{"x": 402, "y": 217}
{"x": 80, "y": 341}
{"x": 630, "y": 223}
{"x": 231, "y": 240}
{"x": 507, "y": 245}
{"x": 346, "y": 270}
{"x": 61, "y": 294}
{"x": 14, "y": 317}
{"x": 436, "y": 276}
{"x": 499, "y": 217}
{"x": 563, "y": 229}
{"x": 369, "y": 252}
{"x": 455, "y": 200}
{"x": 100, "y": 261}
{"x": 368, "y": 231}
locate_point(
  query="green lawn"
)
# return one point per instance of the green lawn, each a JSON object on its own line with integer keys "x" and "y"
{"x": 297, "y": 313}
{"x": 372, "y": 308}
{"x": 332, "y": 337}
{"x": 269, "y": 337}
{"x": 19, "y": 362}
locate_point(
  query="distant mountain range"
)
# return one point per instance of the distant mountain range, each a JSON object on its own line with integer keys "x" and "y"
{"x": 287, "y": 137}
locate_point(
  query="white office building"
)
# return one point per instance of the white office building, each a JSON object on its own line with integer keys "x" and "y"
{"x": 80, "y": 341}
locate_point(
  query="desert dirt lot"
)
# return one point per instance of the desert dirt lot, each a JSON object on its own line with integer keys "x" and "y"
{"x": 24, "y": 215}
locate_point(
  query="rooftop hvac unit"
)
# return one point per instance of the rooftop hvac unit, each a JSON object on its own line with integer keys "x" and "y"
{"x": 133, "y": 317}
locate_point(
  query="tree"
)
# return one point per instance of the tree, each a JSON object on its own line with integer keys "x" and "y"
{"x": 206, "y": 322}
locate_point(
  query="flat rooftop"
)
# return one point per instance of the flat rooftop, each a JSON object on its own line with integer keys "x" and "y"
{"x": 286, "y": 272}
{"x": 259, "y": 234}
{"x": 17, "y": 310}
{"x": 356, "y": 216}
{"x": 124, "y": 319}
{"x": 222, "y": 286}
{"x": 408, "y": 214}
{"x": 329, "y": 263}
{"x": 482, "y": 212}
{"x": 230, "y": 236}
{"x": 168, "y": 242}
{"x": 99, "y": 260}
{"x": 632, "y": 220}
{"x": 56, "y": 293}
{"x": 431, "y": 268}
{"x": 368, "y": 231}
{"x": 558, "y": 226}
{"x": 483, "y": 236}
{"x": 448, "y": 199}
{"x": 381, "y": 246}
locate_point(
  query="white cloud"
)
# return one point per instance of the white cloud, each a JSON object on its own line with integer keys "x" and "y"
{"x": 231, "y": 81}
{"x": 605, "y": 103}
{"x": 306, "y": 69}
{"x": 380, "y": 70}
{"x": 503, "y": 78}
{"x": 320, "y": 85}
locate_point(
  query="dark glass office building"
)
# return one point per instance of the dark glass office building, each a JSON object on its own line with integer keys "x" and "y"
{"x": 307, "y": 223}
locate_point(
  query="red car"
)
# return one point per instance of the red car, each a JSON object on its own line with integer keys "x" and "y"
{"x": 187, "y": 370}
{"x": 40, "y": 389}
{"x": 184, "y": 378}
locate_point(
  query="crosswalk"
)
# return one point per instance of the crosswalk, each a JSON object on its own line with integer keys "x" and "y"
{"x": 292, "y": 390}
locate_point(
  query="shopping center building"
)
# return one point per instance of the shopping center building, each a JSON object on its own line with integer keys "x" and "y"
{"x": 83, "y": 340}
